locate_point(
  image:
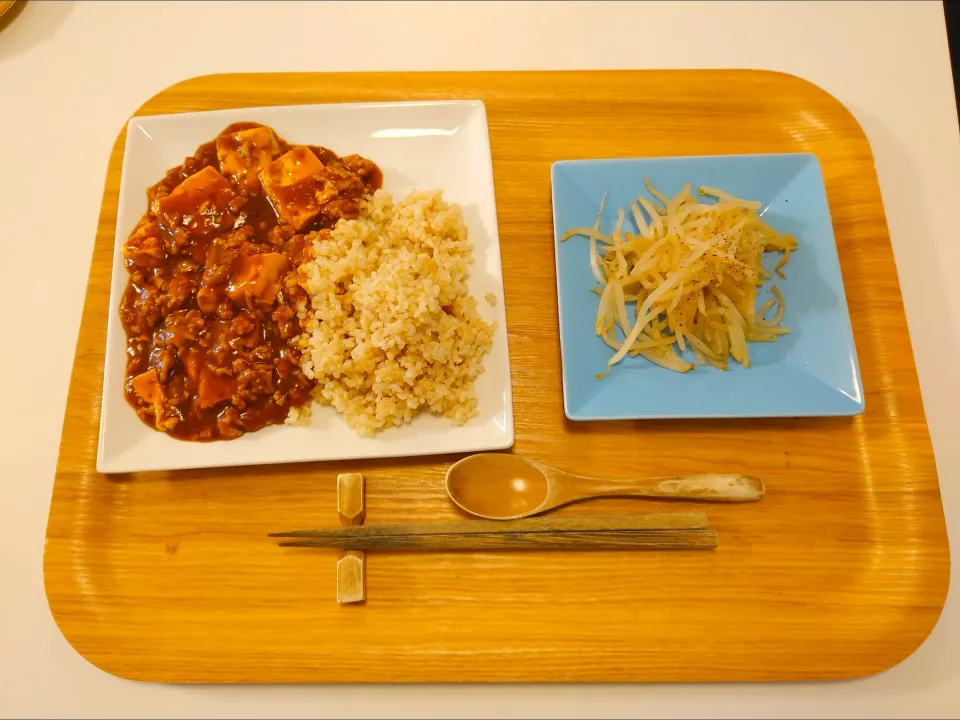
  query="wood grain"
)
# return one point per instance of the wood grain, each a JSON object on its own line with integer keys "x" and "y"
{"x": 841, "y": 571}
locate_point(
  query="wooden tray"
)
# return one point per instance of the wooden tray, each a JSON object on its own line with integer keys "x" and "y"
{"x": 841, "y": 572}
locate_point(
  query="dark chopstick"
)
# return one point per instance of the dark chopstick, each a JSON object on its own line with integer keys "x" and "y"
{"x": 648, "y": 521}
{"x": 654, "y": 530}
{"x": 550, "y": 540}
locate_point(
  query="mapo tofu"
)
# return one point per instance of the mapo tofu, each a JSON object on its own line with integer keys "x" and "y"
{"x": 210, "y": 309}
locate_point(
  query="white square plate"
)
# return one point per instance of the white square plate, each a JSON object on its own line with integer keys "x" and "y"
{"x": 423, "y": 146}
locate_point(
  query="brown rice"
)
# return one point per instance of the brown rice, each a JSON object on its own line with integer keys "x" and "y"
{"x": 390, "y": 329}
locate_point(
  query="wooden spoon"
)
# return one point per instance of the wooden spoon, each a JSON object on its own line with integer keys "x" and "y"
{"x": 498, "y": 486}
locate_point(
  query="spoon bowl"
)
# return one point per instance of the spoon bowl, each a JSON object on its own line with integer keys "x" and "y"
{"x": 499, "y": 486}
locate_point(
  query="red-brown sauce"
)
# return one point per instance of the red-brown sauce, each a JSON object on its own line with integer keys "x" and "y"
{"x": 210, "y": 305}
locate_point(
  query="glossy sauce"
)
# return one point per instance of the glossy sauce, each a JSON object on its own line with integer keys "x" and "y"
{"x": 210, "y": 305}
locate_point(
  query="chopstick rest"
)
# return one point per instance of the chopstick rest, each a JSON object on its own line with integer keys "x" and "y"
{"x": 352, "y": 564}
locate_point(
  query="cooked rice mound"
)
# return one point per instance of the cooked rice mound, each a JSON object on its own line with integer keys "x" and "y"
{"x": 390, "y": 329}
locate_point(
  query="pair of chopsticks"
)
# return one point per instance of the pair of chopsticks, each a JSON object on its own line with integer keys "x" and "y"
{"x": 655, "y": 531}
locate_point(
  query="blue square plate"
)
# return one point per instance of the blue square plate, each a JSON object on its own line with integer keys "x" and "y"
{"x": 811, "y": 371}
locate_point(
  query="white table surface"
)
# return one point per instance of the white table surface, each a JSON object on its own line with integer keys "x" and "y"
{"x": 72, "y": 72}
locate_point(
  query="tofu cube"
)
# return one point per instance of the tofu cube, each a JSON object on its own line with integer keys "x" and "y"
{"x": 291, "y": 183}
{"x": 245, "y": 153}
{"x": 196, "y": 204}
{"x": 146, "y": 386}
{"x": 257, "y": 276}
{"x": 214, "y": 389}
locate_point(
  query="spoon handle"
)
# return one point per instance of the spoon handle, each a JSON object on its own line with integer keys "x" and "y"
{"x": 711, "y": 488}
